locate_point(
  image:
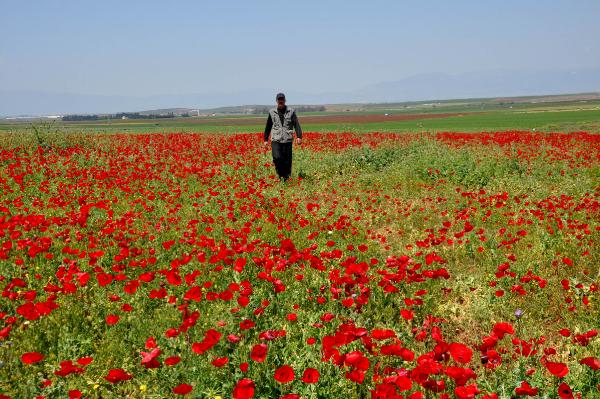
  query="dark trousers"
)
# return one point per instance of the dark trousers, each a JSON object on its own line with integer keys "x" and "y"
{"x": 282, "y": 158}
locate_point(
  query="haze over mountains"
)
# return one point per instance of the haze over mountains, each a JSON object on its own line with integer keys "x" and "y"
{"x": 432, "y": 86}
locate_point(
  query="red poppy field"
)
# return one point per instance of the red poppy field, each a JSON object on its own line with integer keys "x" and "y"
{"x": 413, "y": 266}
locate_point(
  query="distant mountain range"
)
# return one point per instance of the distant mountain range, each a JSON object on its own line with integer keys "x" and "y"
{"x": 432, "y": 86}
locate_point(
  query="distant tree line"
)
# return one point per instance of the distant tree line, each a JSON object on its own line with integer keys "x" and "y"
{"x": 310, "y": 108}
{"x": 72, "y": 118}
{"x": 137, "y": 115}
{"x": 120, "y": 115}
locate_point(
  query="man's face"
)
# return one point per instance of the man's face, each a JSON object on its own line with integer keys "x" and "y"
{"x": 280, "y": 102}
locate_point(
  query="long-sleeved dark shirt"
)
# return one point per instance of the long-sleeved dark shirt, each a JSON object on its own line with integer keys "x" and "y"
{"x": 281, "y": 113}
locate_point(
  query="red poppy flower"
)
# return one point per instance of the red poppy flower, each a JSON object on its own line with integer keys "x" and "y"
{"x": 239, "y": 265}
{"x": 173, "y": 360}
{"x": 117, "y": 375}
{"x": 32, "y": 357}
{"x": 407, "y": 314}
{"x": 466, "y": 392}
{"x": 151, "y": 343}
{"x": 284, "y": 374}
{"x": 565, "y": 332}
{"x": 357, "y": 376}
{"x": 220, "y": 361}
{"x": 460, "y": 353}
{"x": 244, "y": 389}
{"x": 234, "y": 339}
{"x": 29, "y": 311}
{"x": 557, "y": 369}
{"x": 292, "y": 316}
{"x": 564, "y": 391}
{"x": 259, "y": 353}
{"x": 591, "y": 362}
{"x": 148, "y": 357}
{"x": 67, "y": 367}
{"x": 403, "y": 383}
{"x": 183, "y": 389}
{"x": 310, "y": 376}
{"x": 246, "y": 324}
{"x": 501, "y": 329}
{"x": 567, "y": 261}
{"x": 383, "y": 334}
{"x": 112, "y": 319}
{"x": 526, "y": 390}
{"x": 211, "y": 338}
{"x": 84, "y": 361}
{"x": 460, "y": 375}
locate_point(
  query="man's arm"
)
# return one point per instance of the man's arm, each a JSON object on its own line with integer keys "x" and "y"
{"x": 297, "y": 126}
{"x": 268, "y": 128}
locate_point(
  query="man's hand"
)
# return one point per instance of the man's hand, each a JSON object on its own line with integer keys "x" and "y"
{"x": 266, "y": 144}
{"x": 299, "y": 141}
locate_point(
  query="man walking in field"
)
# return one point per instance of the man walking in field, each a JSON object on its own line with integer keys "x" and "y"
{"x": 280, "y": 126}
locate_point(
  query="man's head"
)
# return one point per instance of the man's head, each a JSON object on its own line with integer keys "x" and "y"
{"x": 280, "y": 98}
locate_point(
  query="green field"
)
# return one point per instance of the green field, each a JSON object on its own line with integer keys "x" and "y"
{"x": 565, "y": 116}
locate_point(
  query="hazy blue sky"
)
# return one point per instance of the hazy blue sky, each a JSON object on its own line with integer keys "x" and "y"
{"x": 177, "y": 47}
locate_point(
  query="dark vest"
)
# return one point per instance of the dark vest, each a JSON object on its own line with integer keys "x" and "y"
{"x": 282, "y": 133}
